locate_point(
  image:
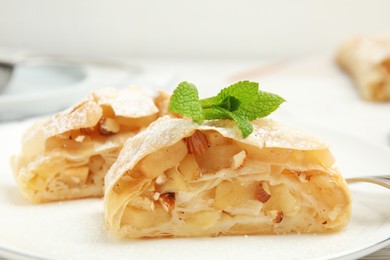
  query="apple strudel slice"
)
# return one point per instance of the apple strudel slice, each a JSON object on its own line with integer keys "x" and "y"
{"x": 68, "y": 155}
{"x": 367, "y": 61}
{"x": 178, "y": 178}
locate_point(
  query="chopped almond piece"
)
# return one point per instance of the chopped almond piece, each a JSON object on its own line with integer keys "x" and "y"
{"x": 197, "y": 143}
{"x": 238, "y": 160}
{"x": 168, "y": 200}
{"x": 108, "y": 126}
{"x": 261, "y": 194}
{"x": 279, "y": 217}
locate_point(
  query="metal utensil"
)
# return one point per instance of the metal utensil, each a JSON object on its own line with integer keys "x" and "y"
{"x": 6, "y": 70}
{"x": 383, "y": 180}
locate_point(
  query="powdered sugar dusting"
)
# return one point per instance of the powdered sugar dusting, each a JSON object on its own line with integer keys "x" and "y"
{"x": 268, "y": 133}
{"x": 85, "y": 114}
{"x": 130, "y": 103}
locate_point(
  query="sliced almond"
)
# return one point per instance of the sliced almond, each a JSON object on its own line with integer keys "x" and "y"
{"x": 197, "y": 143}
{"x": 262, "y": 193}
{"x": 168, "y": 200}
{"x": 108, "y": 126}
{"x": 238, "y": 160}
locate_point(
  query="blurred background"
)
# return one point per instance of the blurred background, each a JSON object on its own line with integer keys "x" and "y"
{"x": 55, "y": 52}
{"x": 187, "y": 29}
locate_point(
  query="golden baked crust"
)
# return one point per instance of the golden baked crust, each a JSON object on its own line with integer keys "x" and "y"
{"x": 178, "y": 178}
{"x": 68, "y": 155}
{"x": 367, "y": 61}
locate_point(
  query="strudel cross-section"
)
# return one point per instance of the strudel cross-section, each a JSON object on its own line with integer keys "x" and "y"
{"x": 178, "y": 178}
{"x": 68, "y": 155}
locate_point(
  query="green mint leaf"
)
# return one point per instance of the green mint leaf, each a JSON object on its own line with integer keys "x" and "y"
{"x": 243, "y": 124}
{"x": 209, "y": 102}
{"x": 230, "y": 103}
{"x": 185, "y": 101}
{"x": 242, "y": 90}
{"x": 252, "y": 102}
{"x": 269, "y": 103}
{"x": 241, "y": 102}
{"x": 215, "y": 113}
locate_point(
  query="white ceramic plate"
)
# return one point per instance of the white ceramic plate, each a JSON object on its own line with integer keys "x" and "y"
{"x": 75, "y": 229}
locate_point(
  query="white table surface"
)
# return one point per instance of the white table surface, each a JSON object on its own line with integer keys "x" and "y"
{"x": 317, "y": 92}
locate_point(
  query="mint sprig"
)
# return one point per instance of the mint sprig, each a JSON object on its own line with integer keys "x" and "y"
{"x": 241, "y": 102}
